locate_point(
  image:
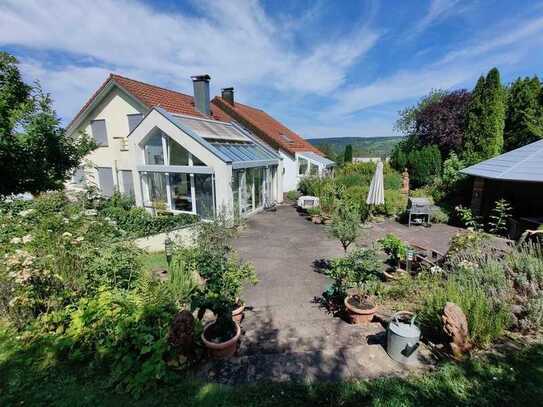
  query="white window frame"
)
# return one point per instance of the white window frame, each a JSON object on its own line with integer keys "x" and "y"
{"x": 166, "y": 140}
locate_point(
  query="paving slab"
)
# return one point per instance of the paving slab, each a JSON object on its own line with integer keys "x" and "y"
{"x": 285, "y": 334}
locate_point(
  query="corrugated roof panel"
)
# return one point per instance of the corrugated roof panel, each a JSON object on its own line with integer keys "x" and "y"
{"x": 523, "y": 164}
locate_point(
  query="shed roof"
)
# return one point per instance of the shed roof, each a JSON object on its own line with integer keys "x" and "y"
{"x": 523, "y": 164}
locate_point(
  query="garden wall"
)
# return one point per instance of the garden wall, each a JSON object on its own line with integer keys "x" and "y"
{"x": 155, "y": 243}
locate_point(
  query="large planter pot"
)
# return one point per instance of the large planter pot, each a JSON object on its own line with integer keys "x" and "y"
{"x": 237, "y": 314}
{"x": 316, "y": 219}
{"x": 221, "y": 350}
{"x": 359, "y": 315}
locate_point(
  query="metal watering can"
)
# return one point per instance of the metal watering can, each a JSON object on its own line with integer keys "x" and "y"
{"x": 403, "y": 339}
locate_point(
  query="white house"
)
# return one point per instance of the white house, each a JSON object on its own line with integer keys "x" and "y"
{"x": 170, "y": 149}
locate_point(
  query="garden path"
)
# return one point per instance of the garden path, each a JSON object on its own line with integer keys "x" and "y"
{"x": 286, "y": 336}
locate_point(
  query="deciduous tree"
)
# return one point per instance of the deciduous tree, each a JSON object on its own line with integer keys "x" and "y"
{"x": 35, "y": 153}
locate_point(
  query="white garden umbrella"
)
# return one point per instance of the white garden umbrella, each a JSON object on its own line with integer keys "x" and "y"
{"x": 376, "y": 194}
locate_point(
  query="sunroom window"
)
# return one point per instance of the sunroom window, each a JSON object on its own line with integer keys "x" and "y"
{"x": 154, "y": 152}
{"x": 178, "y": 155}
{"x": 180, "y": 187}
{"x": 173, "y": 189}
{"x": 314, "y": 169}
{"x": 302, "y": 166}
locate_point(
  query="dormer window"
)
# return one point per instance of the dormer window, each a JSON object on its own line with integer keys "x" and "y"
{"x": 287, "y": 139}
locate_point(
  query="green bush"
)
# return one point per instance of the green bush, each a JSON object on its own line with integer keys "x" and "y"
{"x": 293, "y": 195}
{"x": 394, "y": 247}
{"x": 358, "y": 269}
{"x": 116, "y": 265}
{"x": 395, "y": 203}
{"x": 137, "y": 222}
{"x": 116, "y": 330}
{"x": 487, "y": 318}
{"x": 439, "y": 216}
{"x": 424, "y": 165}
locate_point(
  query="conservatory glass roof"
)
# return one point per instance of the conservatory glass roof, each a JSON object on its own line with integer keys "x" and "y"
{"x": 226, "y": 140}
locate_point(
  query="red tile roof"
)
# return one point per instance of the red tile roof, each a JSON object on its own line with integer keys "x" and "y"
{"x": 153, "y": 96}
{"x": 172, "y": 101}
{"x": 256, "y": 120}
{"x": 266, "y": 127}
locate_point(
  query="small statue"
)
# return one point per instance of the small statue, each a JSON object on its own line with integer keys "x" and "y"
{"x": 405, "y": 181}
{"x": 455, "y": 326}
{"x": 181, "y": 335}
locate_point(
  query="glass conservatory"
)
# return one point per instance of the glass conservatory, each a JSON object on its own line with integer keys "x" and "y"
{"x": 202, "y": 166}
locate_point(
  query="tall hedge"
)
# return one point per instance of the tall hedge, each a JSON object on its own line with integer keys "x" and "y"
{"x": 485, "y": 119}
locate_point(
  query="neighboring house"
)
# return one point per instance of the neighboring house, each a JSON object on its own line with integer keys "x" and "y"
{"x": 369, "y": 159}
{"x": 516, "y": 176}
{"x": 300, "y": 158}
{"x": 171, "y": 150}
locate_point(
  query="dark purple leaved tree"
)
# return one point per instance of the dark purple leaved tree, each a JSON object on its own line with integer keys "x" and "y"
{"x": 443, "y": 122}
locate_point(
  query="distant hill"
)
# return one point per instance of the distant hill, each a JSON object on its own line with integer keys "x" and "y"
{"x": 362, "y": 146}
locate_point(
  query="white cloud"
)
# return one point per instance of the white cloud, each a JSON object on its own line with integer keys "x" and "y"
{"x": 237, "y": 44}
{"x": 438, "y": 11}
{"x": 532, "y": 28}
{"x": 458, "y": 68}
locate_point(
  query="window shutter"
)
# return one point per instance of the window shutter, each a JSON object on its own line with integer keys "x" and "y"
{"x": 98, "y": 128}
{"x": 133, "y": 121}
{"x": 128, "y": 182}
{"x": 105, "y": 180}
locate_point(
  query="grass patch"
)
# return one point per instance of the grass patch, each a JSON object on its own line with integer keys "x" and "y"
{"x": 150, "y": 261}
{"x": 27, "y": 377}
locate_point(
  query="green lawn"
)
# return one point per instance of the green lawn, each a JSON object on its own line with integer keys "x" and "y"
{"x": 151, "y": 261}
{"x": 29, "y": 378}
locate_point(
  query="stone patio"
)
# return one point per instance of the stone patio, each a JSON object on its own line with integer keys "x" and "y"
{"x": 285, "y": 334}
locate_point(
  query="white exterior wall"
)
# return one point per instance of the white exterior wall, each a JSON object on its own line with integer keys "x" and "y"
{"x": 114, "y": 109}
{"x": 290, "y": 176}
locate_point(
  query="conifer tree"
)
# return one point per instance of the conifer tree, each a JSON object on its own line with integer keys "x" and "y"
{"x": 524, "y": 116}
{"x": 348, "y": 156}
{"x": 485, "y": 119}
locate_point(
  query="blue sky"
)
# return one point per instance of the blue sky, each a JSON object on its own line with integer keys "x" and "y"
{"x": 324, "y": 68}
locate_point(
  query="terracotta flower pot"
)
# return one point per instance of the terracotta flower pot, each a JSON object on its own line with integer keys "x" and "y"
{"x": 357, "y": 315}
{"x": 237, "y": 314}
{"x": 221, "y": 350}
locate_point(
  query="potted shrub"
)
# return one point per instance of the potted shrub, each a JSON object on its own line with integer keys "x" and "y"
{"x": 225, "y": 275}
{"x": 221, "y": 295}
{"x": 315, "y": 215}
{"x": 396, "y": 249}
{"x": 362, "y": 277}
